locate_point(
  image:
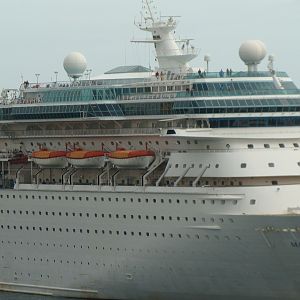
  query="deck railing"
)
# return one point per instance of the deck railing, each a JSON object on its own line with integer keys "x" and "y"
{"x": 79, "y": 132}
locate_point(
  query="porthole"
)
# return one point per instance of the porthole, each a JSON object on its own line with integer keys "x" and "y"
{"x": 271, "y": 165}
{"x": 252, "y": 202}
{"x": 243, "y": 165}
{"x": 250, "y": 146}
{"x": 296, "y": 145}
{"x": 281, "y": 145}
{"x": 267, "y": 146}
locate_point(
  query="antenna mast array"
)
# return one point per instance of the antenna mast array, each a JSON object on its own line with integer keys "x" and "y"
{"x": 170, "y": 56}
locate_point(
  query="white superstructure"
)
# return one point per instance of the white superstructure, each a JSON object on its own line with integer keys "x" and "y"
{"x": 143, "y": 184}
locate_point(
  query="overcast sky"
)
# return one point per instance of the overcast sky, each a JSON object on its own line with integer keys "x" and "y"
{"x": 36, "y": 35}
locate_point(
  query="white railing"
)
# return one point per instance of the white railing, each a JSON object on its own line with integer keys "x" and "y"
{"x": 80, "y": 132}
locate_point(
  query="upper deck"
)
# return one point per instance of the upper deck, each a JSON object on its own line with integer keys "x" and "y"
{"x": 150, "y": 87}
{"x": 175, "y": 90}
{"x": 148, "y": 96}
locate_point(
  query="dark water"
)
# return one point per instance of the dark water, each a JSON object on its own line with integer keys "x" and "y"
{"x": 14, "y": 296}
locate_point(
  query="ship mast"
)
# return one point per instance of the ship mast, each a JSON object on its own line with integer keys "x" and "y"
{"x": 170, "y": 56}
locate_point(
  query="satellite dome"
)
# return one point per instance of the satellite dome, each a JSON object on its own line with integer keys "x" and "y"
{"x": 75, "y": 64}
{"x": 252, "y": 52}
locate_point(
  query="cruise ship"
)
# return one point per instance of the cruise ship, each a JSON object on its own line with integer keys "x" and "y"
{"x": 172, "y": 183}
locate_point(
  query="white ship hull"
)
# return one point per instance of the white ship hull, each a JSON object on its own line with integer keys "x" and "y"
{"x": 165, "y": 243}
{"x": 199, "y": 198}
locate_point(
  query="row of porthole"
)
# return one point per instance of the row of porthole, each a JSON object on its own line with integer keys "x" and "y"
{"x": 111, "y": 249}
{"x": 104, "y": 232}
{"x": 102, "y": 199}
{"x": 243, "y": 165}
{"x": 117, "y": 216}
{"x": 267, "y": 146}
{"x": 138, "y": 200}
{"x": 96, "y": 215}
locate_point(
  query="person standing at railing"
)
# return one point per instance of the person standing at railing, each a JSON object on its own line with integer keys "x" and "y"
{"x": 161, "y": 76}
{"x": 199, "y": 73}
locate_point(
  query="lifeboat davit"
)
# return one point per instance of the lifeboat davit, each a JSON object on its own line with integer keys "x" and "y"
{"x": 86, "y": 159}
{"x": 18, "y": 158}
{"x": 50, "y": 159}
{"x": 132, "y": 159}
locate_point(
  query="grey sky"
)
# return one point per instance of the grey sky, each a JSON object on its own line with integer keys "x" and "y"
{"x": 36, "y": 35}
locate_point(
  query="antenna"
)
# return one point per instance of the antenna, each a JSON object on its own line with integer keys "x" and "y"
{"x": 149, "y": 10}
{"x": 207, "y": 59}
{"x": 271, "y": 63}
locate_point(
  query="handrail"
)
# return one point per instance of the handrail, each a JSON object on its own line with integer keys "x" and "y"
{"x": 151, "y": 78}
{"x": 81, "y": 132}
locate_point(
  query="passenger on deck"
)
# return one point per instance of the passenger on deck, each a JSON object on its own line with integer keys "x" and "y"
{"x": 199, "y": 73}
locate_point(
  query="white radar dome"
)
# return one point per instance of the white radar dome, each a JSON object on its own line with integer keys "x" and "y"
{"x": 252, "y": 52}
{"x": 75, "y": 64}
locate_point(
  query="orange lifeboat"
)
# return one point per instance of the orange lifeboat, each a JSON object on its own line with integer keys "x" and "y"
{"x": 86, "y": 159}
{"x": 50, "y": 159}
{"x": 139, "y": 159}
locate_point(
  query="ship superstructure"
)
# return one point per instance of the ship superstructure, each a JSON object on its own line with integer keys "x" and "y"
{"x": 153, "y": 184}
